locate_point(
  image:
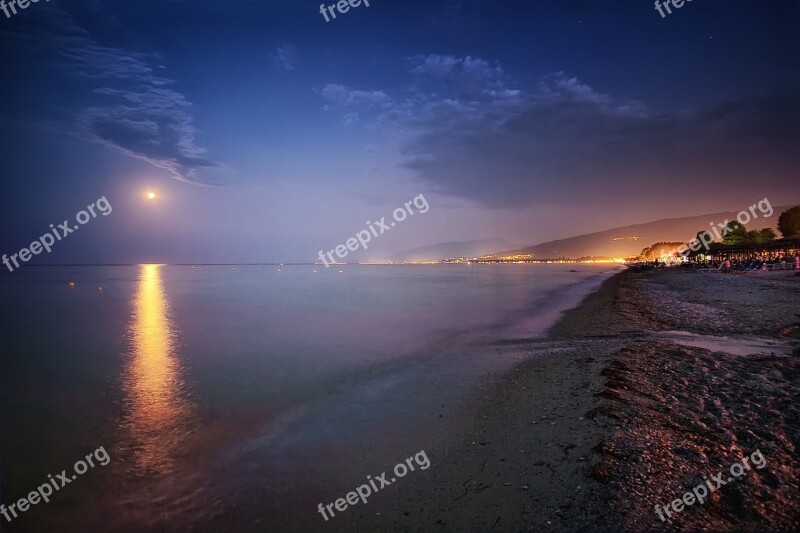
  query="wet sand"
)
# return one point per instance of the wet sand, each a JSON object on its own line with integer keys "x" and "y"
{"x": 627, "y": 404}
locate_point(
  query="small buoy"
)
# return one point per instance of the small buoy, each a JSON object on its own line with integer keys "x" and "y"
{"x": 71, "y": 284}
{"x": 100, "y": 289}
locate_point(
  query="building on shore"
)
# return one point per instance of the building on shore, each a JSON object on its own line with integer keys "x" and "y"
{"x": 777, "y": 250}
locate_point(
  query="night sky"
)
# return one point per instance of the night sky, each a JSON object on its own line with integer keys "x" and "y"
{"x": 270, "y": 134}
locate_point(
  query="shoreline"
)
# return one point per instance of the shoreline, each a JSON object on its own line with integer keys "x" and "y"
{"x": 586, "y": 426}
{"x": 607, "y": 417}
{"x": 446, "y": 378}
{"x": 275, "y": 472}
{"x": 679, "y": 411}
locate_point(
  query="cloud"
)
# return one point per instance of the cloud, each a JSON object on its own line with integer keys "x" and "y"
{"x": 479, "y": 135}
{"x": 145, "y": 116}
{"x": 548, "y": 146}
{"x": 285, "y": 56}
{"x": 349, "y": 119}
{"x": 341, "y": 96}
{"x": 560, "y": 86}
{"x": 155, "y": 125}
{"x": 461, "y": 77}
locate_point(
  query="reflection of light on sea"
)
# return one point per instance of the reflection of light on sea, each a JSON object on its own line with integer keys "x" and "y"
{"x": 158, "y": 414}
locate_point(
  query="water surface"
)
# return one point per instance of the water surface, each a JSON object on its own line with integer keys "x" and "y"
{"x": 209, "y": 384}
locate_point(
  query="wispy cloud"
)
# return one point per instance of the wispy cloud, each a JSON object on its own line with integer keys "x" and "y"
{"x": 285, "y": 56}
{"x": 459, "y": 76}
{"x": 143, "y": 114}
{"x": 342, "y": 96}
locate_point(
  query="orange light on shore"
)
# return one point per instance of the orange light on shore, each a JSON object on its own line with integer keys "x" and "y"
{"x": 151, "y": 195}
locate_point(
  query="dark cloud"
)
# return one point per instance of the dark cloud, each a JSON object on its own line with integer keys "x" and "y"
{"x": 145, "y": 116}
{"x": 480, "y": 137}
{"x": 162, "y": 136}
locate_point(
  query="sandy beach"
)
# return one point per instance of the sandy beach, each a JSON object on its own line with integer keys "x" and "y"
{"x": 657, "y": 380}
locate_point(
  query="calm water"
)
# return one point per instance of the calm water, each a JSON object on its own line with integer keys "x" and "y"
{"x": 207, "y": 385}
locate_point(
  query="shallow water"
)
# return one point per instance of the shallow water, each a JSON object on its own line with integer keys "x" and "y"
{"x": 734, "y": 346}
{"x": 206, "y": 384}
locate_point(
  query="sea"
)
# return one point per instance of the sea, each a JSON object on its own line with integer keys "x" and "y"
{"x": 245, "y": 394}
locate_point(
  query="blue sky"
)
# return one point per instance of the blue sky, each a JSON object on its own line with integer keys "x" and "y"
{"x": 270, "y": 134}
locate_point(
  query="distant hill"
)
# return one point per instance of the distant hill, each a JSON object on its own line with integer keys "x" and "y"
{"x": 438, "y": 252}
{"x": 628, "y": 241}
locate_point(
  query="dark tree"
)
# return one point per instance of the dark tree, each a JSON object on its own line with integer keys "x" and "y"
{"x": 737, "y": 234}
{"x": 789, "y": 222}
{"x": 767, "y": 234}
